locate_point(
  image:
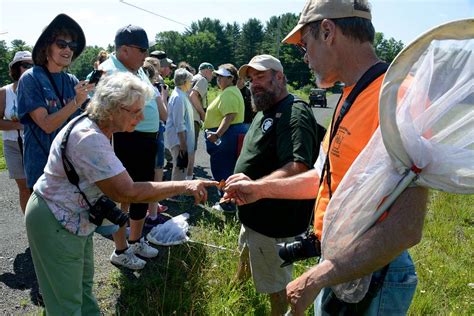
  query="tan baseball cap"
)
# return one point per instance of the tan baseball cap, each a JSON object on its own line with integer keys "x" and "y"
{"x": 261, "y": 63}
{"x": 316, "y": 10}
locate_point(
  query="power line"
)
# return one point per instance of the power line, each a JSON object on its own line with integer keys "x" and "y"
{"x": 156, "y": 14}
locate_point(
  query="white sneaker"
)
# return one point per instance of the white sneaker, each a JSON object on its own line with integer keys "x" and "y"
{"x": 128, "y": 260}
{"x": 143, "y": 249}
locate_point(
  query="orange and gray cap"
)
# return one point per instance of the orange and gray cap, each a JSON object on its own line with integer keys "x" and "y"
{"x": 317, "y": 10}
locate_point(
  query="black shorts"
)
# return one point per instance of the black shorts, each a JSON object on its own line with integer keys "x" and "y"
{"x": 137, "y": 152}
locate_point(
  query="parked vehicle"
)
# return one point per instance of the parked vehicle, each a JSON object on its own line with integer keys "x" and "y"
{"x": 318, "y": 97}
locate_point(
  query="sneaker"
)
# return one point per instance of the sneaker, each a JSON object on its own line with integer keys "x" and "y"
{"x": 160, "y": 219}
{"x": 225, "y": 207}
{"x": 161, "y": 208}
{"x": 127, "y": 260}
{"x": 143, "y": 249}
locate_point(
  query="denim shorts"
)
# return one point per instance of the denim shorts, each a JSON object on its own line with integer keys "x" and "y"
{"x": 396, "y": 294}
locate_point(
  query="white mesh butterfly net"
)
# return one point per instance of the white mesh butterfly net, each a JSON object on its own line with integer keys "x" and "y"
{"x": 426, "y": 137}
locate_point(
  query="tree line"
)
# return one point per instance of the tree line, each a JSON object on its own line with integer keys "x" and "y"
{"x": 211, "y": 41}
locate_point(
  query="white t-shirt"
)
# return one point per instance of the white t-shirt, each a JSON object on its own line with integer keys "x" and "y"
{"x": 93, "y": 158}
{"x": 11, "y": 113}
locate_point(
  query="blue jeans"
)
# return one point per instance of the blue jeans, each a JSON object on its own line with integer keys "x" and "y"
{"x": 396, "y": 294}
{"x": 224, "y": 156}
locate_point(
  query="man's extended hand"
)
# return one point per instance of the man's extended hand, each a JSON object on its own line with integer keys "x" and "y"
{"x": 241, "y": 189}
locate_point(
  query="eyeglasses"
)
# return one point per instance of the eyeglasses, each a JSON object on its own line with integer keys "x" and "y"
{"x": 62, "y": 44}
{"x": 135, "y": 113}
{"x": 301, "y": 49}
{"x": 26, "y": 65}
{"x": 142, "y": 50}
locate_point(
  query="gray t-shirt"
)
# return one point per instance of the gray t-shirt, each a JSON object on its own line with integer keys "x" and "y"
{"x": 200, "y": 84}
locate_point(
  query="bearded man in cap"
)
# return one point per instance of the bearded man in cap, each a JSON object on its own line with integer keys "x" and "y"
{"x": 337, "y": 38}
{"x": 136, "y": 150}
{"x": 282, "y": 141}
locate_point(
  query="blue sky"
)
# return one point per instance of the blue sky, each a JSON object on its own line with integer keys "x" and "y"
{"x": 24, "y": 19}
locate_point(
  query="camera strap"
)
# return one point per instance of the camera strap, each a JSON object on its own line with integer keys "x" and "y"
{"x": 71, "y": 173}
{"x": 367, "y": 78}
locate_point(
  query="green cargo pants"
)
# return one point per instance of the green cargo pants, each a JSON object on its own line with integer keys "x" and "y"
{"x": 64, "y": 262}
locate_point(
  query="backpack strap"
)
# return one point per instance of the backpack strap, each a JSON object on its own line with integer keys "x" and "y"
{"x": 367, "y": 78}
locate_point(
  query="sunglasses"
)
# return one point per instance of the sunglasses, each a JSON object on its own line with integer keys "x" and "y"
{"x": 142, "y": 50}
{"x": 62, "y": 44}
{"x": 26, "y": 65}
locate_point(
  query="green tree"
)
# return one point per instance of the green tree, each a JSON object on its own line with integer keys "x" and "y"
{"x": 4, "y": 61}
{"x": 232, "y": 33}
{"x": 172, "y": 43}
{"x": 84, "y": 64}
{"x": 202, "y": 46}
{"x": 386, "y": 49}
{"x": 250, "y": 42}
{"x": 220, "y": 52}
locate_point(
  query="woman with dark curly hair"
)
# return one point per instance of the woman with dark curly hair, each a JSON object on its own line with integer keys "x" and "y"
{"x": 48, "y": 97}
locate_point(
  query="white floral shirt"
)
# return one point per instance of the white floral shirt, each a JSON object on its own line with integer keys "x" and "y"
{"x": 93, "y": 158}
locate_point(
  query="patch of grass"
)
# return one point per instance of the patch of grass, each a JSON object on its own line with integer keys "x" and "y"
{"x": 198, "y": 279}
{"x": 3, "y": 164}
{"x": 444, "y": 258}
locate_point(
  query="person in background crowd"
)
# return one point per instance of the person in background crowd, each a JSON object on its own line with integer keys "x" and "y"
{"x": 188, "y": 67}
{"x": 12, "y": 128}
{"x": 224, "y": 124}
{"x": 154, "y": 209}
{"x": 249, "y": 111}
{"x": 179, "y": 136}
{"x": 165, "y": 71}
{"x": 158, "y": 80}
{"x": 336, "y": 37}
{"x": 47, "y": 95}
{"x": 137, "y": 149}
{"x": 101, "y": 57}
{"x": 198, "y": 98}
{"x": 57, "y": 218}
{"x": 282, "y": 142}
{"x": 166, "y": 64}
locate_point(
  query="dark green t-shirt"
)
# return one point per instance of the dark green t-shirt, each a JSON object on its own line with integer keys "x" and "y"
{"x": 285, "y": 133}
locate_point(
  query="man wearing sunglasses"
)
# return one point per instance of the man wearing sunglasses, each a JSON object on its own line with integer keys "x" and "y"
{"x": 136, "y": 150}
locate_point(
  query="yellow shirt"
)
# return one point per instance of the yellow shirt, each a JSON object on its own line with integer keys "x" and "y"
{"x": 229, "y": 101}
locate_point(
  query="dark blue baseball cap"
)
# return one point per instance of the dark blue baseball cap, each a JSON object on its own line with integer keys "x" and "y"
{"x": 131, "y": 35}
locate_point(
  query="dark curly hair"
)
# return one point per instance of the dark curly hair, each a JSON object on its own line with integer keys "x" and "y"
{"x": 43, "y": 51}
{"x": 15, "y": 71}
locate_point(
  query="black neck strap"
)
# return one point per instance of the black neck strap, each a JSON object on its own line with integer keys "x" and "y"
{"x": 367, "y": 78}
{"x": 71, "y": 173}
{"x": 55, "y": 87}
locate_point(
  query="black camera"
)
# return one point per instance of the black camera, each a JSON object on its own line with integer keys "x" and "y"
{"x": 95, "y": 76}
{"x": 160, "y": 86}
{"x": 302, "y": 248}
{"x": 106, "y": 208}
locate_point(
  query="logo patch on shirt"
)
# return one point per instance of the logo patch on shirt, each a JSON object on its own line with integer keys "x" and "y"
{"x": 267, "y": 123}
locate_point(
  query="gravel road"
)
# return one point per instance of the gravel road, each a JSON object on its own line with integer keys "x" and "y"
{"x": 18, "y": 286}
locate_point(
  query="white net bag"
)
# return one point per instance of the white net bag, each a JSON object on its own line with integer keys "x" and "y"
{"x": 426, "y": 137}
{"x": 172, "y": 232}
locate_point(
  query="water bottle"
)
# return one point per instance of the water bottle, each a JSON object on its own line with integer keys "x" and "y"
{"x": 218, "y": 141}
